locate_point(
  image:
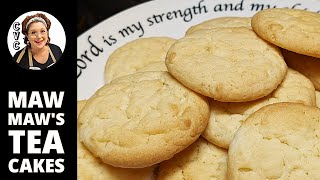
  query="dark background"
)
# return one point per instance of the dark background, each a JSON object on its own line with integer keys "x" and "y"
{"x": 91, "y": 12}
{"x": 75, "y": 18}
{"x": 59, "y": 77}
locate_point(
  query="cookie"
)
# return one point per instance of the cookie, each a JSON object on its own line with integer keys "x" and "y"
{"x": 142, "y": 119}
{"x": 221, "y": 22}
{"x": 226, "y": 118}
{"x": 201, "y": 160}
{"x": 292, "y": 29}
{"x": 227, "y": 64}
{"x": 318, "y": 98}
{"x": 157, "y": 66}
{"x": 279, "y": 141}
{"x": 307, "y": 65}
{"x": 80, "y": 105}
{"x": 90, "y": 167}
{"x": 135, "y": 55}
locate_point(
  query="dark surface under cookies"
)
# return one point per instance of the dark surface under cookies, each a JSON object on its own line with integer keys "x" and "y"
{"x": 92, "y": 12}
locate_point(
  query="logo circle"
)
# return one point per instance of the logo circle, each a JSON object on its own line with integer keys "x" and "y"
{"x": 15, "y": 37}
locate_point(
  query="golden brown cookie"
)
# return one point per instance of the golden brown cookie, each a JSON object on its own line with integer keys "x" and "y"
{"x": 279, "y": 141}
{"x": 292, "y": 29}
{"x": 226, "y": 118}
{"x": 307, "y": 65}
{"x": 134, "y": 56}
{"x": 142, "y": 119}
{"x": 227, "y": 64}
{"x": 80, "y": 105}
{"x": 90, "y": 167}
{"x": 201, "y": 160}
{"x": 221, "y": 22}
{"x": 318, "y": 98}
{"x": 157, "y": 66}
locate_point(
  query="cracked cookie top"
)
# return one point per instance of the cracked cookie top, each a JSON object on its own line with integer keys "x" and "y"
{"x": 292, "y": 29}
{"x": 91, "y": 167}
{"x": 201, "y": 160}
{"x": 144, "y": 54}
{"x": 279, "y": 141}
{"x": 226, "y": 118}
{"x": 231, "y": 64}
{"x": 229, "y": 21}
{"x": 142, "y": 119}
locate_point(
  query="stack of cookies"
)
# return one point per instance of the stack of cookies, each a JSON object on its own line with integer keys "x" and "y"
{"x": 235, "y": 98}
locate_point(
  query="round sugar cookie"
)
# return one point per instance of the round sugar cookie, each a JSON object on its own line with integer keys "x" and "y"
{"x": 135, "y": 55}
{"x": 226, "y": 118}
{"x": 279, "y": 141}
{"x": 318, "y": 98}
{"x": 307, "y": 65}
{"x": 142, "y": 119}
{"x": 90, "y": 167}
{"x": 221, "y": 22}
{"x": 227, "y": 64}
{"x": 292, "y": 29}
{"x": 201, "y": 160}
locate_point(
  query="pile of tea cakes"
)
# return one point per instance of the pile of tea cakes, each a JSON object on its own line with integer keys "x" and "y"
{"x": 234, "y": 98}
